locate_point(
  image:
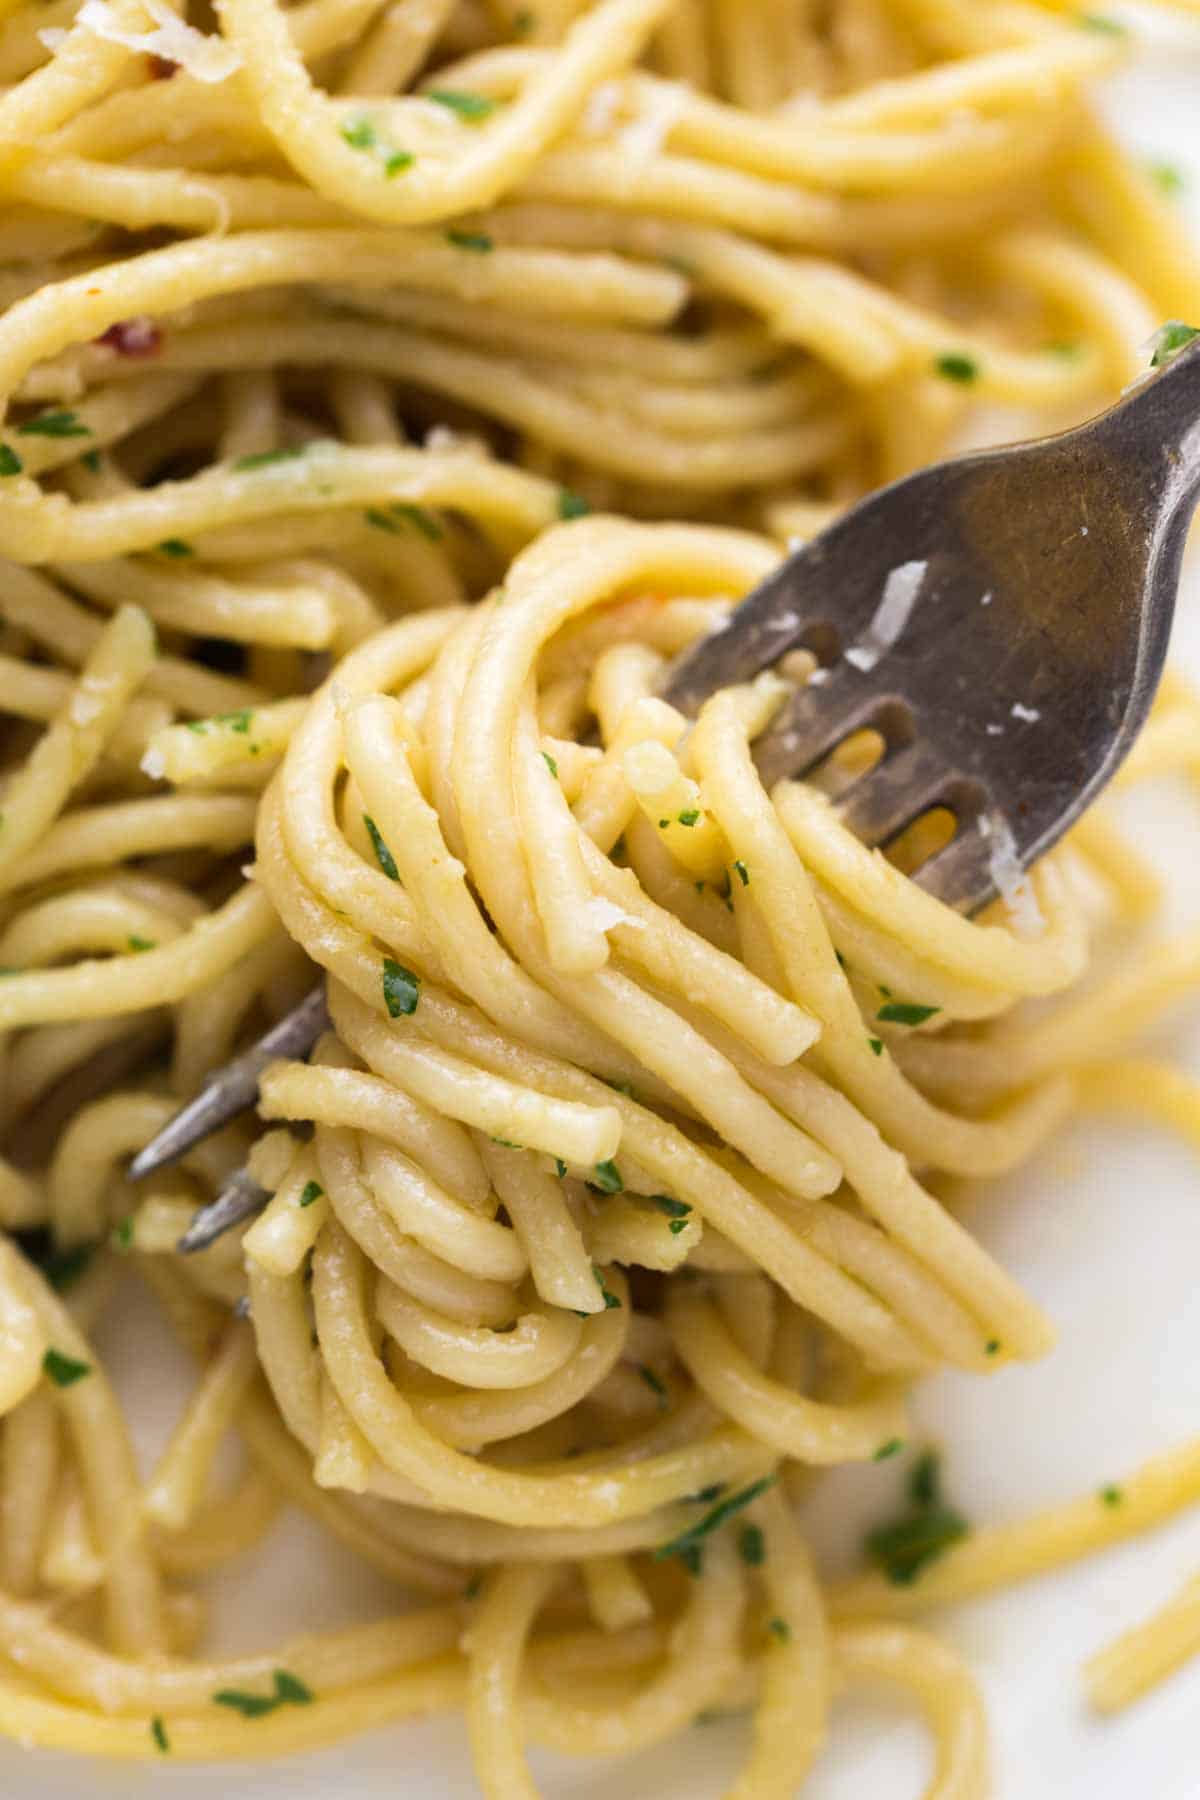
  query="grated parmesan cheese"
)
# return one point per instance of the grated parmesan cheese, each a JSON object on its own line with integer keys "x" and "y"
{"x": 154, "y": 764}
{"x": 603, "y": 914}
{"x": 1030, "y": 714}
{"x": 209, "y": 59}
{"x": 1012, "y": 883}
{"x": 900, "y": 592}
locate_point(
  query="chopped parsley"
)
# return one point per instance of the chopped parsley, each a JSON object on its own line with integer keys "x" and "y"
{"x": 289, "y": 1691}
{"x": 690, "y": 816}
{"x": 656, "y": 1385}
{"x": 360, "y": 134}
{"x": 90, "y": 460}
{"x": 10, "y": 462}
{"x": 122, "y": 1237}
{"x": 1168, "y": 177}
{"x": 524, "y": 22}
{"x": 675, "y": 1209}
{"x": 550, "y": 763}
{"x": 262, "y": 459}
{"x": 158, "y": 1732}
{"x": 779, "y": 1628}
{"x": 608, "y": 1178}
{"x": 383, "y": 855}
{"x": 508, "y": 1143}
{"x": 54, "y": 425}
{"x": 176, "y": 547}
{"x": 1169, "y": 340}
{"x": 478, "y": 241}
{"x": 571, "y": 505}
{"x": 689, "y": 1541}
{"x": 390, "y": 518}
{"x": 893, "y": 1447}
{"x": 743, "y": 873}
{"x": 876, "y": 1046}
{"x": 992, "y": 1347}
{"x": 311, "y": 1191}
{"x": 140, "y": 943}
{"x": 905, "y": 1546}
{"x": 1111, "y": 1496}
{"x": 1103, "y": 23}
{"x": 752, "y": 1546}
{"x": 676, "y": 1226}
{"x": 905, "y": 1012}
{"x": 560, "y": 1167}
{"x": 473, "y": 1586}
{"x": 63, "y": 1370}
{"x": 469, "y": 107}
{"x": 401, "y": 989}
{"x": 954, "y": 366}
{"x": 610, "y": 1299}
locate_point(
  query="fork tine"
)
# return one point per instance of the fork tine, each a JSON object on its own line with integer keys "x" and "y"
{"x": 816, "y": 720}
{"x": 239, "y": 1199}
{"x": 962, "y": 874}
{"x": 235, "y": 1087}
{"x": 896, "y": 791}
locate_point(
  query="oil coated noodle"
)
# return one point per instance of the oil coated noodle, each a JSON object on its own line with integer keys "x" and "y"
{"x": 390, "y": 391}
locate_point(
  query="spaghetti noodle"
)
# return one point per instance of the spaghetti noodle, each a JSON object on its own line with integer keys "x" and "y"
{"x": 392, "y": 387}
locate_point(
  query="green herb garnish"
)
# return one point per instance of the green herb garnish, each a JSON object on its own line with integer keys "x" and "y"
{"x": 90, "y": 460}
{"x": 158, "y": 1732}
{"x": 550, "y": 763}
{"x": 61, "y": 1268}
{"x": 290, "y": 1690}
{"x": 725, "y": 1509}
{"x": 478, "y": 241}
{"x": 263, "y": 459}
{"x": 1111, "y": 1496}
{"x": 956, "y": 367}
{"x": 390, "y": 518}
{"x": 10, "y": 462}
{"x": 743, "y": 872}
{"x": 471, "y": 107}
{"x": 674, "y": 1209}
{"x": 610, "y": 1299}
{"x": 752, "y": 1546}
{"x": 1169, "y": 340}
{"x": 779, "y": 1628}
{"x": 312, "y": 1190}
{"x": 1102, "y": 23}
{"x": 905, "y": 1012}
{"x": 992, "y": 1347}
{"x": 176, "y": 547}
{"x": 401, "y": 989}
{"x": 653, "y": 1382}
{"x": 690, "y": 816}
{"x": 122, "y": 1237}
{"x": 903, "y": 1548}
{"x": 876, "y": 1046}
{"x": 140, "y": 943}
{"x": 560, "y": 1167}
{"x": 608, "y": 1178}
{"x": 571, "y": 505}
{"x": 893, "y": 1447}
{"x": 63, "y": 1370}
{"x": 383, "y": 855}
{"x": 54, "y": 425}
{"x": 1168, "y": 177}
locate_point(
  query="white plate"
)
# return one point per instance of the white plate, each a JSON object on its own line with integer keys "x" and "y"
{"x": 1103, "y": 1232}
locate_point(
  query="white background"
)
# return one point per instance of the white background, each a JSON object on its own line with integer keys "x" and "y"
{"x": 1104, "y": 1232}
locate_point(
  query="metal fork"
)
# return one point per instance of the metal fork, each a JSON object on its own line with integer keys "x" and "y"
{"x": 1000, "y": 620}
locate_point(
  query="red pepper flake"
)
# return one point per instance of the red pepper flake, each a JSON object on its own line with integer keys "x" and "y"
{"x": 162, "y": 67}
{"x": 133, "y": 337}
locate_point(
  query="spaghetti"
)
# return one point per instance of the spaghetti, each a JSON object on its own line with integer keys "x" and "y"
{"x": 391, "y": 390}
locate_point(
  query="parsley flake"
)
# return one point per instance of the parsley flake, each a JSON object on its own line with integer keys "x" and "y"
{"x": 158, "y": 1732}
{"x": 64, "y": 1370}
{"x": 876, "y": 1046}
{"x": 954, "y": 366}
{"x": 312, "y": 1191}
{"x": 893, "y": 1447}
{"x": 905, "y": 1012}
{"x": 262, "y": 459}
{"x": 469, "y": 107}
{"x": 140, "y": 943}
{"x": 401, "y": 989}
{"x": 478, "y": 241}
{"x": 779, "y": 1628}
{"x": 608, "y": 1178}
{"x": 743, "y": 872}
{"x": 550, "y": 763}
{"x": 10, "y": 462}
{"x": 1169, "y": 340}
{"x": 383, "y": 855}
{"x": 690, "y": 816}
{"x": 1111, "y": 1496}
{"x": 176, "y": 547}
{"x": 654, "y": 1382}
{"x": 54, "y": 425}
{"x": 752, "y": 1546}
{"x": 690, "y": 1539}
{"x": 904, "y": 1547}
{"x": 571, "y": 505}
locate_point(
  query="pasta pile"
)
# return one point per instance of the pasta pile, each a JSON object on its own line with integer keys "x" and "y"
{"x": 392, "y": 388}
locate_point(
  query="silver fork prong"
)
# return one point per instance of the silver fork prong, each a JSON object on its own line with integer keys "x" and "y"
{"x": 962, "y": 875}
{"x": 239, "y": 1199}
{"x": 815, "y": 721}
{"x": 895, "y": 792}
{"x": 235, "y": 1087}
